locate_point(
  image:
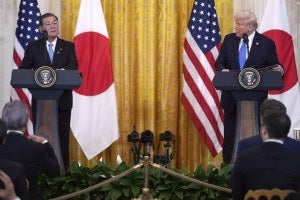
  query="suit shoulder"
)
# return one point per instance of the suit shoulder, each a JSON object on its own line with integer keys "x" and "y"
{"x": 264, "y": 38}
{"x": 230, "y": 36}
{"x": 35, "y": 43}
{"x": 289, "y": 140}
{"x": 10, "y": 163}
{"x": 11, "y": 167}
{"x": 66, "y": 42}
{"x": 255, "y": 140}
{"x": 250, "y": 152}
{"x": 292, "y": 144}
{"x": 33, "y": 144}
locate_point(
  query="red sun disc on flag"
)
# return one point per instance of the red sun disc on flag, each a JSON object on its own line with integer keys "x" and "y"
{"x": 285, "y": 52}
{"x": 93, "y": 54}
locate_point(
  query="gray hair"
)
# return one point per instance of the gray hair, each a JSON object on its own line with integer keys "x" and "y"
{"x": 15, "y": 115}
{"x": 248, "y": 16}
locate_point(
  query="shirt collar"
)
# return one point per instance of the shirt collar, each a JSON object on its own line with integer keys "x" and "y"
{"x": 53, "y": 42}
{"x": 250, "y": 39}
{"x": 274, "y": 140}
{"x": 15, "y": 131}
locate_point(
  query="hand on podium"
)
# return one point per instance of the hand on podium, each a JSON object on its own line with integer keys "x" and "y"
{"x": 225, "y": 70}
{"x": 278, "y": 68}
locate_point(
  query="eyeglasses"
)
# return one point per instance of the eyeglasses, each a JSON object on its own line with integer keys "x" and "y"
{"x": 55, "y": 22}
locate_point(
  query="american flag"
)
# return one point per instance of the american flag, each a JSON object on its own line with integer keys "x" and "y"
{"x": 26, "y": 32}
{"x": 200, "y": 98}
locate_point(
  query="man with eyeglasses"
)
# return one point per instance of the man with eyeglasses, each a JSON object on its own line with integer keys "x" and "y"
{"x": 59, "y": 54}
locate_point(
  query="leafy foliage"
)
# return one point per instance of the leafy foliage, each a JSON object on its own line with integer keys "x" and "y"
{"x": 162, "y": 185}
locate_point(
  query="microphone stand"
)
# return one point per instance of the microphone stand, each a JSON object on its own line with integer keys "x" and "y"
{"x": 246, "y": 41}
{"x": 45, "y": 38}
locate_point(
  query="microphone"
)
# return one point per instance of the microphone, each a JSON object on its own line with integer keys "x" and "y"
{"x": 245, "y": 38}
{"x": 45, "y": 38}
{"x": 246, "y": 41}
{"x": 45, "y": 34}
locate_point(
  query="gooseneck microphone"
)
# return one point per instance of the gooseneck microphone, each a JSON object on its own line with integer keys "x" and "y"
{"x": 245, "y": 38}
{"x": 246, "y": 41}
{"x": 45, "y": 38}
{"x": 45, "y": 34}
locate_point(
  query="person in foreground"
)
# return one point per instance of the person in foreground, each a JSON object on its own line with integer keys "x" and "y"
{"x": 13, "y": 170}
{"x": 270, "y": 165}
{"x": 38, "y": 54}
{"x": 8, "y": 192}
{"x": 269, "y": 105}
{"x": 259, "y": 52}
{"x": 34, "y": 152}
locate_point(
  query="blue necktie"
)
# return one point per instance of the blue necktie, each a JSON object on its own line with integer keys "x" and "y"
{"x": 242, "y": 55}
{"x": 50, "y": 51}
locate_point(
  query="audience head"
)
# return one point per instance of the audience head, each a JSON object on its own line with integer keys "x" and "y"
{"x": 271, "y": 105}
{"x": 3, "y": 131}
{"x": 275, "y": 125}
{"x": 245, "y": 22}
{"x": 15, "y": 115}
{"x": 293, "y": 196}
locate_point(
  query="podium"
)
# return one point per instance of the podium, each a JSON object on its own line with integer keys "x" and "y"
{"x": 46, "y": 109}
{"x": 247, "y": 117}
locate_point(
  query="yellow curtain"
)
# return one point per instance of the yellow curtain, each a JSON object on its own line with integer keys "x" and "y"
{"x": 146, "y": 38}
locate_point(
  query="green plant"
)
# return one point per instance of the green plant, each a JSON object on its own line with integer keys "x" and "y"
{"x": 169, "y": 187}
{"x": 127, "y": 187}
{"x": 74, "y": 179}
{"x": 162, "y": 185}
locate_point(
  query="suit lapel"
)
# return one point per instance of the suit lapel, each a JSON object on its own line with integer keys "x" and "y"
{"x": 254, "y": 48}
{"x": 44, "y": 54}
{"x": 57, "y": 53}
{"x": 236, "y": 51}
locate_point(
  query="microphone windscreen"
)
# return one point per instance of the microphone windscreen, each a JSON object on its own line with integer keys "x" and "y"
{"x": 45, "y": 34}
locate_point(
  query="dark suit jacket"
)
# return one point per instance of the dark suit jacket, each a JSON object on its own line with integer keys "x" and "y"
{"x": 267, "y": 166}
{"x": 262, "y": 54}
{"x": 256, "y": 140}
{"x": 36, "y": 55}
{"x": 17, "y": 174}
{"x": 35, "y": 157}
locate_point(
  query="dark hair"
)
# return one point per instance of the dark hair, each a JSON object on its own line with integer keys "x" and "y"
{"x": 293, "y": 196}
{"x": 15, "y": 115}
{"x": 271, "y": 105}
{"x": 3, "y": 130}
{"x": 45, "y": 16}
{"x": 277, "y": 124}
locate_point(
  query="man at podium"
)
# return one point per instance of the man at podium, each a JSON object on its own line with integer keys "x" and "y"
{"x": 244, "y": 48}
{"x": 58, "y": 54}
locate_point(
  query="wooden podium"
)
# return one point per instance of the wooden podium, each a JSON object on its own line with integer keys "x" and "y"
{"x": 46, "y": 109}
{"x": 247, "y": 117}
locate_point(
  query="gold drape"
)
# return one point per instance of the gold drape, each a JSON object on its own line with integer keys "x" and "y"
{"x": 146, "y": 38}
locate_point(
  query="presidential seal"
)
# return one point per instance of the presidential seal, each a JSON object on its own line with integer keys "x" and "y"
{"x": 249, "y": 78}
{"x": 45, "y": 76}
